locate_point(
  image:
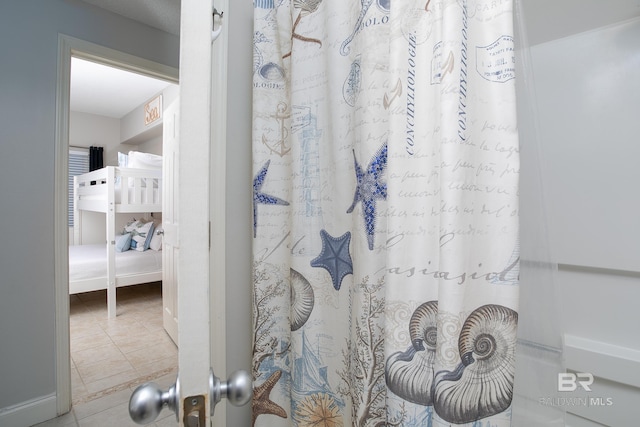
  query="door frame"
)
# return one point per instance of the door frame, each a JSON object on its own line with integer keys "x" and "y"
{"x": 217, "y": 211}
{"x": 67, "y": 47}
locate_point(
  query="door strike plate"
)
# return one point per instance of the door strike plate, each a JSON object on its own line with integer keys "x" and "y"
{"x": 194, "y": 411}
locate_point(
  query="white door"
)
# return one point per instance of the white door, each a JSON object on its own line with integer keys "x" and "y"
{"x": 170, "y": 199}
{"x": 194, "y": 337}
{"x": 206, "y": 223}
{"x": 201, "y": 265}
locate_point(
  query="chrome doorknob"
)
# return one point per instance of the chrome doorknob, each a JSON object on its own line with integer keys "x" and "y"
{"x": 237, "y": 389}
{"x": 148, "y": 399}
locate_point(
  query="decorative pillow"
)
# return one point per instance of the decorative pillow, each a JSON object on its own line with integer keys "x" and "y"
{"x": 130, "y": 226}
{"x": 136, "y": 245}
{"x": 141, "y": 234}
{"x": 147, "y": 242}
{"x": 156, "y": 240}
{"x": 123, "y": 242}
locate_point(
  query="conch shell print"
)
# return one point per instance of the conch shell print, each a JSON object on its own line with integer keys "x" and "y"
{"x": 302, "y": 300}
{"x": 480, "y": 386}
{"x": 409, "y": 374}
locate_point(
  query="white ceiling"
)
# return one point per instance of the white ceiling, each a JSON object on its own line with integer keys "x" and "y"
{"x": 114, "y": 93}
{"x": 111, "y": 92}
{"x": 107, "y": 91}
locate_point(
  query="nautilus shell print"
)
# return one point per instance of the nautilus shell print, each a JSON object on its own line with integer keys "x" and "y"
{"x": 482, "y": 385}
{"x": 409, "y": 374}
{"x": 302, "y": 300}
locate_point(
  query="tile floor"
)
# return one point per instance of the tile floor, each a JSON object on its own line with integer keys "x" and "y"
{"x": 111, "y": 357}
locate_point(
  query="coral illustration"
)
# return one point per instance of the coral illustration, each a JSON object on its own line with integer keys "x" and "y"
{"x": 306, "y": 7}
{"x": 265, "y": 339}
{"x": 319, "y": 410}
{"x": 363, "y": 380}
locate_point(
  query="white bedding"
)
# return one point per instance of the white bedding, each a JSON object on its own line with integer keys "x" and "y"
{"x": 90, "y": 262}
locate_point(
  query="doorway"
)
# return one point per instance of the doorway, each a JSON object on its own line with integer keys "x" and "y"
{"x": 145, "y": 295}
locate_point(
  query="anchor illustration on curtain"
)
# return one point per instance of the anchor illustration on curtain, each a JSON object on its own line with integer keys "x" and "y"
{"x": 386, "y": 242}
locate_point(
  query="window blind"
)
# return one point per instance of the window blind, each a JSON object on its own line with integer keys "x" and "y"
{"x": 78, "y": 164}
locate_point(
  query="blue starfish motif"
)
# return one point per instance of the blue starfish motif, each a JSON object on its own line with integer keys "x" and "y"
{"x": 335, "y": 257}
{"x": 262, "y": 198}
{"x": 369, "y": 189}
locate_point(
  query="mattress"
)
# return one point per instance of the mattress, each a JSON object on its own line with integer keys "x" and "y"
{"x": 90, "y": 262}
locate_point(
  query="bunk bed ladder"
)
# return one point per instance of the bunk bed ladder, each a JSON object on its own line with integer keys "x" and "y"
{"x": 111, "y": 244}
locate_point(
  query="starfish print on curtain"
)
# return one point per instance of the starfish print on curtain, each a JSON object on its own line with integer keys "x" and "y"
{"x": 369, "y": 189}
{"x": 262, "y": 404}
{"x": 262, "y": 198}
{"x": 335, "y": 257}
{"x": 389, "y": 197}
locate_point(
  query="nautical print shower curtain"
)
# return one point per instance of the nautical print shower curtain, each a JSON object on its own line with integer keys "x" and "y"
{"x": 385, "y": 213}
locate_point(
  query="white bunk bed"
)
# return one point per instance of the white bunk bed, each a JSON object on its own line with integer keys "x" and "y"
{"x": 114, "y": 190}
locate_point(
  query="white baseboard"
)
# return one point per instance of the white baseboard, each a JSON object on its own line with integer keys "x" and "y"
{"x": 615, "y": 392}
{"x": 613, "y": 362}
{"x": 31, "y": 412}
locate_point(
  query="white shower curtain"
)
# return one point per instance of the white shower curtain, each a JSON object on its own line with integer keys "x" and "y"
{"x": 385, "y": 197}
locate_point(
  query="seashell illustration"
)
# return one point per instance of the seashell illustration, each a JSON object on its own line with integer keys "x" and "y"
{"x": 384, "y": 5}
{"x": 422, "y": 326}
{"x": 302, "y": 300}
{"x": 482, "y": 385}
{"x": 409, "y": 374}
{"x": 271, "y": 71}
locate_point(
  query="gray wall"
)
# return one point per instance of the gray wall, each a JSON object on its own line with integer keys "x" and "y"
{"x": 29, "y": 47}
